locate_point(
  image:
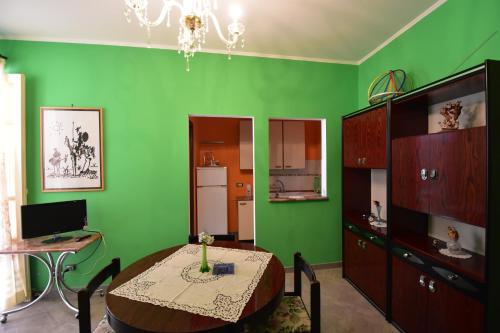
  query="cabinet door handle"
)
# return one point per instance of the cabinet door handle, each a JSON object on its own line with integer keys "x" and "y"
{"x": 243, "y": 203}
{"x": 363, "y": 245}
{"x": 349, "y": 227}
{"x": 277, "y": 166}
{"x": 359, "y": 160}
{"x": 406, "y": 255}
{"x": 288, "y": 166}
{"x": 434, "y": 174}
{"x": 359, "y": 242}
{"x": 432, "y": 286}
{"x": 363, "y": 160}
{"x": 421, "y": 280}
{"x": 452, "y": 277}
{"x": 424, "y": 174}
{"x": 373, "y": 237}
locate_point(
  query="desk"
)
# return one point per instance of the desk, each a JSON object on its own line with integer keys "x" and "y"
{"x": 36, "y": 249}
{"x": 129, "y": 316}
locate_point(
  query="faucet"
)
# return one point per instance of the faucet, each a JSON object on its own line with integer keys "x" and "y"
{"x": 276, "y": 188}
{"x": 282, "y": 187}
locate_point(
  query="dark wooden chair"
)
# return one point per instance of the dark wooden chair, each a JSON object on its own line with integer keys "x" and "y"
{"x": 193, "y": 239}
{"x": 292, "y": 315}
{"x": 84, "y": 295}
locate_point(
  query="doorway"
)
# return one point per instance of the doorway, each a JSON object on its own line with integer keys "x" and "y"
{"x": 221, "y": 184}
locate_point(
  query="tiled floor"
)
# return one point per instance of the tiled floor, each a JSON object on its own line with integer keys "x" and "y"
{"x": 343, "y": 310}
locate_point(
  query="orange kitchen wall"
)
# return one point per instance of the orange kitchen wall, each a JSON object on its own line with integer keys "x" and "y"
{"x": 228, "y": 154}
{"x": 313, "y": 139}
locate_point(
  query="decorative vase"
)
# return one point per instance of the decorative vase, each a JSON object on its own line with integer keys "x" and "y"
{"x": 204, "y": 262}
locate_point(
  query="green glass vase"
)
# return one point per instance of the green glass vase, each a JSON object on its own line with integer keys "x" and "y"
{"x": 204, "y": 261}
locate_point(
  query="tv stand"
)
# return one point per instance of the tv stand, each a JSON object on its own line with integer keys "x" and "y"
{"x": 56, "y": 239}
{"x": 42, "y": 251}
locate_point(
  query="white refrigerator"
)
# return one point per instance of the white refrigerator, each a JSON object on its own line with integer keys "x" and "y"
{"x": 211, "y": 199}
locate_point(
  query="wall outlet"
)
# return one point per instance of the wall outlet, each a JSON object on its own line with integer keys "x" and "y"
{"x": 239, "y": 184}
{"x": 69, "y": 268}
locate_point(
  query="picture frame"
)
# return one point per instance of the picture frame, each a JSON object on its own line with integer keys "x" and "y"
{"x": 71, "y": 149}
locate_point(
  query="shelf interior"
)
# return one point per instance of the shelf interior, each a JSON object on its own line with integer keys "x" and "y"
{"x": 427, "y": 246}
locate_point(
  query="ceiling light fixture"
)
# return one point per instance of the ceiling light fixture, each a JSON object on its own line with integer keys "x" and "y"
{"x": 193, "y": 23}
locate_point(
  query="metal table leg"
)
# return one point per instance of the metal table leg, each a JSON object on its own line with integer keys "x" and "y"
{"x": 60, "y": 282}
{"x": 49, "y": 264}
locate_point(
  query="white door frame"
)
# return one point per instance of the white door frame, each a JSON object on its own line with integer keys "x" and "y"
{"x": 252, "y": 118}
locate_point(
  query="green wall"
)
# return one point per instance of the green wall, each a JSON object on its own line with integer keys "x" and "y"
{"x": 457, "y": 35}
{"x": 147, "y": 97}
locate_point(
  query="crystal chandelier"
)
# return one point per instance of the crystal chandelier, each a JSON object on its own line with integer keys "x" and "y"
{"x": 193, "y": 23}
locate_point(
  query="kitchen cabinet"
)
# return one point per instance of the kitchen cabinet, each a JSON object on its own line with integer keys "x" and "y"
{"x": 246, "y": 145}
{"x": 449, "y": 165}
{"x": 287, "y": 149}
{"x": 294, "y": 146}
{"x": 422, "y": 303}
{"x": 275, "y": 144}
{"x": 365, "y": 265}
{"x": 245, "y": 220}
{"x": 364, "y": 138}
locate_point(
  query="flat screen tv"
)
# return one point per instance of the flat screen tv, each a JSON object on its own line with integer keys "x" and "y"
{"x": 53, "y": 219}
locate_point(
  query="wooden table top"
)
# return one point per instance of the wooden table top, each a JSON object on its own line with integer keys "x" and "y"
{"x": 126, "y": 315}
{"x": 35, "y": 245}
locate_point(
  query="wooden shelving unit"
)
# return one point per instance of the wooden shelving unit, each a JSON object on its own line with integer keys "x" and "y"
{"x": 364, "y": 246}
{"x": 433, "y": 177}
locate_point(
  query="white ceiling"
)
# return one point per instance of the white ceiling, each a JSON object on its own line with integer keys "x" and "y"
{"x": 318, "y": 30}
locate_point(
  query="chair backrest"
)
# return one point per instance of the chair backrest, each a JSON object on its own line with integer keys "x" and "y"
{"x": 84, "y": 294}
{"x": 299, "y": 266}
{"x": 193, "y": 239}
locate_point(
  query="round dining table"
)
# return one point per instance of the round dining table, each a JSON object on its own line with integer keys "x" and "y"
{"x": 129, "y": 316}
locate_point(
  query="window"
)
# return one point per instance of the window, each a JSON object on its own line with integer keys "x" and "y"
{"x": 297, "y": 163}
{"x": 12, "y": 187}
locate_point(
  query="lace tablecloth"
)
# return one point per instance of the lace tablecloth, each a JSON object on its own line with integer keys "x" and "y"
{"x": 176, "y": 282}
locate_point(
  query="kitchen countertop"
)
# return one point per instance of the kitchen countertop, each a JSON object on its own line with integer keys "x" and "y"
{"x": 297, "y": 196}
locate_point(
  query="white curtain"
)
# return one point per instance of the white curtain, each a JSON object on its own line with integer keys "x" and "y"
{"x": 14, "y": 287}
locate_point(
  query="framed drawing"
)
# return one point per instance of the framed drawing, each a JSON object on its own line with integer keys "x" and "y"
{"x": 71, "y": 148}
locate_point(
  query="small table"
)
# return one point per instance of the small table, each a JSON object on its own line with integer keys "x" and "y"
{"x": 126, "y": 315}
{"x": 36, "y": 249}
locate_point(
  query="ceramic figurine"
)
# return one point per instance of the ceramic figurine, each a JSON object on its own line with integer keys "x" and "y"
{"x": 379, "y": 209}
{"x": 451, "y": 112}
{"x": 377, "y": 221}
{"x": 453, "y": 245}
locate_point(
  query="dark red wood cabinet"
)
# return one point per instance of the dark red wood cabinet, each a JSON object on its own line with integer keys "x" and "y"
{"x": 352, "y": 136}
{"x": 352, "y": 257}
{"x": 365, "y": 265}
{"x": 451, "y": 174}
{"x": 409, "y": 298}
{"x": 442, "y": 174}
{"x": 424, "y": 304}
{"x": 409, "y": 156}
{"x": 458, "y": 188}
{"x": 364, "y": 140}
